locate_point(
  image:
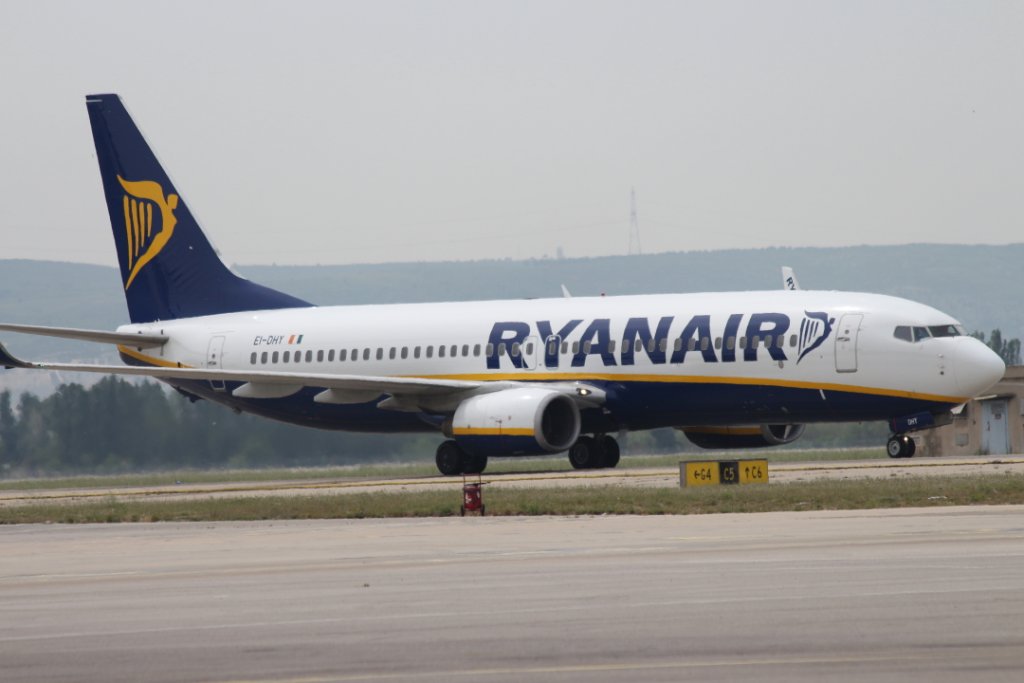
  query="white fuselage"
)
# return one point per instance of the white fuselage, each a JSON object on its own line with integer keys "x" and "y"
{"x": 751, "y": 346}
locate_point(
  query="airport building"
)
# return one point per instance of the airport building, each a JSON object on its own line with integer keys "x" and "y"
{"x": 992, "y": 424}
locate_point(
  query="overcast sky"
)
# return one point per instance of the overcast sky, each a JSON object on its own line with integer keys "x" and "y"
{"x": 345, "y": 132}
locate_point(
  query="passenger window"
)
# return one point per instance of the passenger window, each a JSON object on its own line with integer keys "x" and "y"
{"x": 903, "y": 332}
{"x": 730, "y": 343}
{"x": 416, "y": 352}
{"x": 586, "y": 346}
{"x": 754, "y": 341}
{"x": 465, "y": 349}
{"x": 792, "y": 341}
{"x": 501, "y": 349}
{"x": 718, "y": 342}
{"x": 454, "y": 351}
{"x": 565, "y": 347}
{"x": 611, "y": 346}
{"x": 330, "y": 355}
{"x": 476, "y": 350}
{"x": 273, "y": 358}
{"x": 489, "y": 349}
{"x": 441, "y": 350}
{"x": 298, "y": 357}
{"x": 638, "y": 346}
{"x": 309, "y": 356}
{"x": 650, "y": 346}
{"x": 552, "y": 348}
{"x": 663, "y": 345}
{"x": 405, "y": 352}
{"x": 529, "y": 349}
{"x": 430, "y": 352}
{"x": 705, "y": 342}
{"x": 287, "y": 356}
{"x": 263, "y": 358}
{"x": 392, "y": 353}
{"x": 366, "y": 353}
{"x": 768, "y": 341}
{"x": 515, "y": 350}
{"x": 252, "y": 358}
{"x": 575, "y": 347}
{"x": 678, "y": 344}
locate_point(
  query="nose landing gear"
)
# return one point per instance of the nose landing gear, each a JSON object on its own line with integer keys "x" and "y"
{"x": 900, "y": 446}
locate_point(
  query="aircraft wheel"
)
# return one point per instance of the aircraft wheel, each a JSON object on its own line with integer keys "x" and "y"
{"x": 610, "y": 451}
{"x": 449, "y": 458}
{"x": 473, "y": 464}
{"x": 583, "y": 455}
{"x": 900, "y": 446}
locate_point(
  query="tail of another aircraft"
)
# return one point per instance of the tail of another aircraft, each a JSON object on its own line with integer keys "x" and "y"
{"x": 168, "y": 267}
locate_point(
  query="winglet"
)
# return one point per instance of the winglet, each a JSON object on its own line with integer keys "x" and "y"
{"x": 789, "y": 279}
{"x": 9, "y": 361}
{"x": 565, "y": 292}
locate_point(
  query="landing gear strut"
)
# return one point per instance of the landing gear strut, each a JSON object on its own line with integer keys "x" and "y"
{"x": 900, "y": 446}
{"x": 452, "y": 460}
{"x": 590, "y": 453}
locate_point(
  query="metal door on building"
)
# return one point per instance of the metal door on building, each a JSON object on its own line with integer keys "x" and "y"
{"x": 846, "y": 342}
{"x": 213, "y": 360}
{"x": 995, "y": 432}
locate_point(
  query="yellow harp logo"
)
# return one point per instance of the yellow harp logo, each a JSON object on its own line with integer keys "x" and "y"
{"x": 144, "y": 243}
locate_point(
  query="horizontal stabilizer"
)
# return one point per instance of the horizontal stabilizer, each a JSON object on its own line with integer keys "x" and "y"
{"x": 139, "y": 341}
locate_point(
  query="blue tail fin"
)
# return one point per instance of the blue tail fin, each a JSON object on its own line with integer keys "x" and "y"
{"x": 168, "y": 267}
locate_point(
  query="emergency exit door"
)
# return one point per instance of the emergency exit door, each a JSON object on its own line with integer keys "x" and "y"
{"x": 846, "y": 342}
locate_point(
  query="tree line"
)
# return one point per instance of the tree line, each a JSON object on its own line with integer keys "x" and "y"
{"x": 120, "y": 426}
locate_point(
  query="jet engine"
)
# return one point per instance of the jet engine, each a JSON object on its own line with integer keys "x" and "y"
{"x": 754, "y": 436}
{"x": 522, "y": 421}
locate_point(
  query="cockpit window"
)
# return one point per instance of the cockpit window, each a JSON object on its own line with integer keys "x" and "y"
{"x": 946, "y": 331}
{"x": 903, "y": 332}
{"x": 917, "y": 333}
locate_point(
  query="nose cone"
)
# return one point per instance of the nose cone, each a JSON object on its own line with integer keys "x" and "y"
{"x": 977, "y": 367}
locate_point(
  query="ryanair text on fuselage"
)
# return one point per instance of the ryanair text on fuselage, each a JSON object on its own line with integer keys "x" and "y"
{"x": 763, "y": 333}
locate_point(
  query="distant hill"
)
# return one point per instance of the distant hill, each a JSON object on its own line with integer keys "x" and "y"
{"x": 980, "y": 285}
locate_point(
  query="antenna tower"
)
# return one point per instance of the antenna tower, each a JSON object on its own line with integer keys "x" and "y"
{"x": 634, "y": 225}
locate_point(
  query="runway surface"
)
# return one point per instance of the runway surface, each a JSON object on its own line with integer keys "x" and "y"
{"x": 782, "y": 472}
{"x": 931, "y": 594}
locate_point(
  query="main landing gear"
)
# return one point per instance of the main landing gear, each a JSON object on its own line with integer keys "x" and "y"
{"x": 900, "y": 446}
{"x": 593, "y": 452}
{"x": 452, "y": 460}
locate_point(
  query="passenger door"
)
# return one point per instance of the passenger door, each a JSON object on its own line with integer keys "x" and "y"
{"x": 846, "y": 342}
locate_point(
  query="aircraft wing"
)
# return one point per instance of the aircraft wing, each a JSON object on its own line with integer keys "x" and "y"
{"x": 347, "y": 388}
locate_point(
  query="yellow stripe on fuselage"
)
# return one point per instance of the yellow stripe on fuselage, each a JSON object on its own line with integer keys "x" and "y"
{"x": 493, "y": 431}
{"x": 629, "y": 378}
{"x": 149, "y": 360}
{"x": 692, "y": 379}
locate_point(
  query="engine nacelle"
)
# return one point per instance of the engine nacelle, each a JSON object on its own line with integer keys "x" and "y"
{"x": 525, "y": 421}
{"x": 755, "y": 436}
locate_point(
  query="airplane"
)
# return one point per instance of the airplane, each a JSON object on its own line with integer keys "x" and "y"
{"x": 514, "y": 377}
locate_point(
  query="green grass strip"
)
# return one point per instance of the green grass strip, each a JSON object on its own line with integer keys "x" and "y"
{"x": 858, "y": 494}
{"x": 412, "y": 469}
